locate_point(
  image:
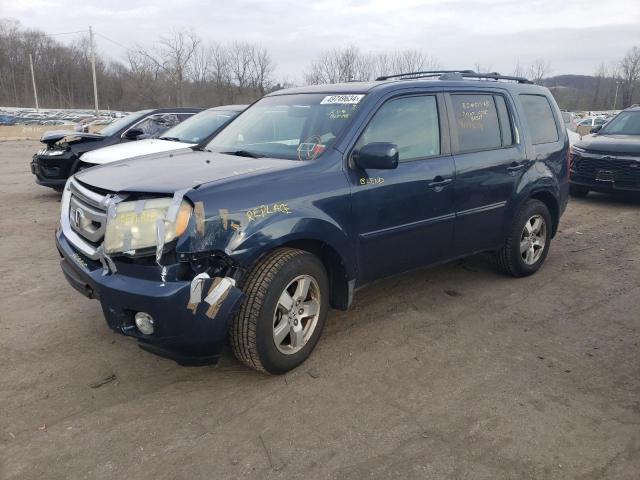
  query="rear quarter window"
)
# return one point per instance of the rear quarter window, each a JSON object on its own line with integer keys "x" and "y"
{"x": 540, "y": 119}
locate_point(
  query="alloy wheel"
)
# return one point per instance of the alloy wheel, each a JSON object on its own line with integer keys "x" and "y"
{"x": 296, "y": 314}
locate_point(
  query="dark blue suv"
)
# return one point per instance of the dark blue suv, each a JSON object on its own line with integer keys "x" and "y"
{"x": 308, "y": 195}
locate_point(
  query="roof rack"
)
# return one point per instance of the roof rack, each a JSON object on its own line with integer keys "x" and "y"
{"x": 426, "y": 73}
{"x": 454, "y": 75}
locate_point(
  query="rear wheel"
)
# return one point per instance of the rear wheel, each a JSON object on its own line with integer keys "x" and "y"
{"x": 578, "y": 191}
{"x": 282, "y": 317}
{"x": 526, "y": 248}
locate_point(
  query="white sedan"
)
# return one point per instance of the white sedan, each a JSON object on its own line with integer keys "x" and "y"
{"x": 200, "y": 128}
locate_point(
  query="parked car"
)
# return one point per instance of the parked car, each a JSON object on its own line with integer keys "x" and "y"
{"x": 609, "y": 159}
{"x": 584, "y": 126}
{"x": 193, "y": 131}
{"x": 60, "y": 157}
{"x": 308, "y": 195}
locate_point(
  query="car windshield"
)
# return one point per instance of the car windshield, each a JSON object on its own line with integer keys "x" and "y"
{"x": 200, "y": 126}
{"x": 298, "y": 126}
{"x": 123, "y": 122}
{"x": 626, "y": 123}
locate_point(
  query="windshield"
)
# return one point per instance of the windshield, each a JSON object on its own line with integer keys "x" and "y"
{"x": 626, "y": 123}
{"x": 123, "y": 122}
{"x": 300, "y": 126}
{"x": 200, "y": 126}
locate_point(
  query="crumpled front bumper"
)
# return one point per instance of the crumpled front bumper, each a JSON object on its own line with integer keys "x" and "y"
{"x": 190, "y": 336}
{"x": 53, "y": 171}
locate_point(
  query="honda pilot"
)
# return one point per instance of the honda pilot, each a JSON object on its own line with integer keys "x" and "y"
{"x": 307, "y": 196}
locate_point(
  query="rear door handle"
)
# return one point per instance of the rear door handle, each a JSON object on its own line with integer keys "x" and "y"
{"x": 440, "y": 182}
{"x": 515, "y": 166}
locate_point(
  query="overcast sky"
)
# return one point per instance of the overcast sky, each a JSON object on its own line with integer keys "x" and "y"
{"x": 573, "y": 35}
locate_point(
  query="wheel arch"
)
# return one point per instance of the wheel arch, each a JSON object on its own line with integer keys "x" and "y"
{"x": 341, "y": 291}
{"x": 324, "y": 240}
{"x": 551, "y": 202}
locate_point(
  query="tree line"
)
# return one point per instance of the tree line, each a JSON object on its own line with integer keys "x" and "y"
{"x": 180, "y": 69}
{"x": 613, "y": 86}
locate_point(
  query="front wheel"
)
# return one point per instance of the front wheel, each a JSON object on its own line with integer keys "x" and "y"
{"x": 282, "y": 316}
{"x": 527, "y": 245}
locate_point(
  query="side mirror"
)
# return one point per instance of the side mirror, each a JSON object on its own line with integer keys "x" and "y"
{"x": 133, "y": 134}
{"x": 377, "y": 156}
{"x": 596, "y": 129}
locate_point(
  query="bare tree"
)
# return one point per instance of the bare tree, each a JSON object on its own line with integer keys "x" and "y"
{"x": 518, "y": 70}
{"x": 338, "y": 65}
{"x": 349, "y": 64}
{"x": 262, "y": 69}
{"x": 241, "y": 63}
{"x": 220, "y": 69}
{"x": 630, "y": 73}
{"x": 539, "y": 70}
{"x": 173, "y": 55}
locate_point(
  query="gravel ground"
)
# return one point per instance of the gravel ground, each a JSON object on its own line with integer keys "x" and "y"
{"x": 453, "y": 372}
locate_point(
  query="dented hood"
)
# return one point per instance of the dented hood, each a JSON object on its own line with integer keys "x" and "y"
{"x": 169, "y": 172}
{"x": 74, "y": 137}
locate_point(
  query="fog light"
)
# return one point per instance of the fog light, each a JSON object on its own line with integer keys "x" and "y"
{"x": 144, "y": 322}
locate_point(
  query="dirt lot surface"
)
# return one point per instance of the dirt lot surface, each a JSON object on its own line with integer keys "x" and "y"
{"x": 454, "y": 372}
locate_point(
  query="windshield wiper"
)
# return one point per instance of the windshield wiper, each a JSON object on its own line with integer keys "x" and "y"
{"x": 171, "y": 139}
{"x": 244, "y": 153}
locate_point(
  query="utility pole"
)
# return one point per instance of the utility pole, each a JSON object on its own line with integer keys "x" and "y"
{"x": 93, "y": 68}
{"x": 33, "y": 81}
{"x": 615, "y": 98}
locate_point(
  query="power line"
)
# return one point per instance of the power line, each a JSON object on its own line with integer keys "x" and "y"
{"x": 112, "y": 41}
{"x": 65, "y": 33}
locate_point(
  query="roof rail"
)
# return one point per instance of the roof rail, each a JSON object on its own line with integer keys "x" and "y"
{"x": 426, "y": 73}
{"x": 454, "y": 75}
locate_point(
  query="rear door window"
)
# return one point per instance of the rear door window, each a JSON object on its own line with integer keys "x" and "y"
{"x": 477, "y": 122}
{"x": 540, "y": 119}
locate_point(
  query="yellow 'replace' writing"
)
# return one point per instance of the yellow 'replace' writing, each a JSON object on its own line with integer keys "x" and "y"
{"x": 132, "y": 218}
{"x": 266, "y": 210}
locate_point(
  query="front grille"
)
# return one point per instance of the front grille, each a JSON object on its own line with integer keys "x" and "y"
{"x": 624, "y": 172}
{"x": 87, "y": 213}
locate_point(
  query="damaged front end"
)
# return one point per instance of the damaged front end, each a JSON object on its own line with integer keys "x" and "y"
{"x": 178, "y": 305}
{"x": 54, "y": 163}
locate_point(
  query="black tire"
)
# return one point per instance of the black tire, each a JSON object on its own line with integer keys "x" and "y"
{"x": 578, "y": 191}
{"x": 251, "y": 333}
{"x": 509, "y": 258}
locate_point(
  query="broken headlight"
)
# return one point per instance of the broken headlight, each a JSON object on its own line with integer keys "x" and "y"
{"x": 141, "y": 224}
{"x": 53, "y": 153}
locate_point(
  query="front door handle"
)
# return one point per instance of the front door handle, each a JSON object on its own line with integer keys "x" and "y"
{"x": 515, "y": 166}
{"x": 439, "y": 182}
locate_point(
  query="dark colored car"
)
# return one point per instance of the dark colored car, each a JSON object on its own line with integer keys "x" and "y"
{"x": 608, "y": 160}
{"x": 308, "y": 195}
{"x": 60, "y": 158}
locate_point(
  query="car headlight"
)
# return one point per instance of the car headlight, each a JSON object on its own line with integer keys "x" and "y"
{"x": 133, "y": 227}
{"x": 53, "y": 153}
